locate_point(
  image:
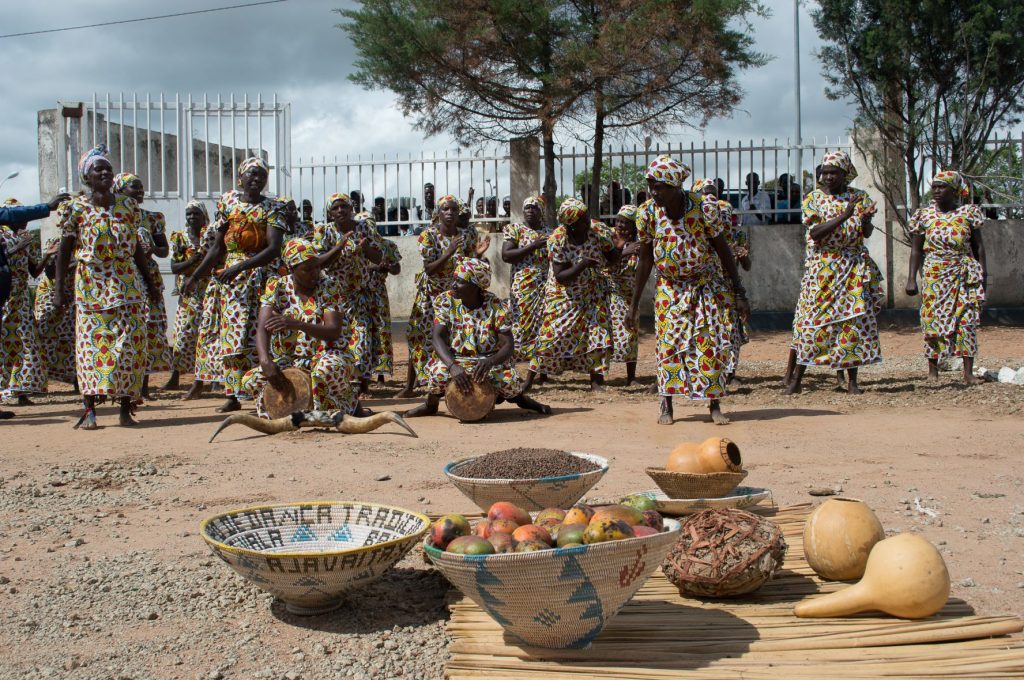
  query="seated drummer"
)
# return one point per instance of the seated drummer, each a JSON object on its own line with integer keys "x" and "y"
{"x": 301, "y": 323}
{"x": 472, "y": 336}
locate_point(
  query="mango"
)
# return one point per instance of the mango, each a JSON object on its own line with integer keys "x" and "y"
{"x": 505, "y": 510}
{"x": 502, "y": 543}
{"x": 447, "y": 529}
{"x": 470, "y": 545}
{"x": 530, "y": 546}
{"x": 644, "y": 530}
{"x": 502, "y": 526}
{"x": 653, "y": 519}
{"x": 570, "y": 533}
{"x": 639, "y": 502}
{"x": 578, "y": 514}
{"x": 606, "y": 530}
{"x": 547, "y": 514}
{"x": 623, "y": 513}
{"x": 532, "y": 533}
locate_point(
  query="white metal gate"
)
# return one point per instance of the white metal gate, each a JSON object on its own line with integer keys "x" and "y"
{"x": 181, "y": 149}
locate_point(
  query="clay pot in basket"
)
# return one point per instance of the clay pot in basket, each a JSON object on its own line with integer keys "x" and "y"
{"x": 838, "y": 537}
{"x": 712, "y": 455}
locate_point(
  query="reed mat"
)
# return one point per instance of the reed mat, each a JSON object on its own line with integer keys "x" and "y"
{"x": 658, "y": 635}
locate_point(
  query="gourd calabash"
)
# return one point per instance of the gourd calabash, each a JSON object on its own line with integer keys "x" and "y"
{"x": 712, "y": 455}
{"x": 839, "y": 536}
{"x": 905, "y": 577}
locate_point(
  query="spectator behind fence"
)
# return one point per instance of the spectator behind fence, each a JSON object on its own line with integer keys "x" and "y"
{"x": 357, "y": 201}
{"x": 756, "y": 201}
{"x": 787, "y": 200}
{"x": 379, "y": 213}
{"x": 620, "y": 196}
{"x": 425, "y": 212}
{"x": 506, "y": 207}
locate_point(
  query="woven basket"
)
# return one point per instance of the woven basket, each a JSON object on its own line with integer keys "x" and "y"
{"x": 560, "y": 598}
{"x": 310, "y": 554}
{"x": 529, "y": 494}
{"x": 688, "y": 485}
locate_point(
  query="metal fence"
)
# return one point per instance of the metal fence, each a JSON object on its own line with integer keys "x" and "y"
{"x": 393, "y": 187}
{"x": 731, "y": 162}
{"x": 180, "y": 148}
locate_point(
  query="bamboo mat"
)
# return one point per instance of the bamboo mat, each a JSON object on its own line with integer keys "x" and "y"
{"x": 661, "y": 635}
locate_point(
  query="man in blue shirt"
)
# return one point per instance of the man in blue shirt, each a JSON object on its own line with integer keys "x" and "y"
{"x": 12, "y": 215}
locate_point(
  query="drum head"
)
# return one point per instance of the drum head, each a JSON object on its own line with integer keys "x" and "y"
{"x": 297, "y": 397}
{"x": 470, "y": 406}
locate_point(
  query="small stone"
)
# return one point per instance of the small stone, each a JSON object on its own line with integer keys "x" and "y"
{"x": 4, "y": 580}
{"x": 152, "y": 616}
{"x": 74, "y": 543}
{"x": 293, "y": 675}
{"x": 270, "y": 476}
{"x": 215, "y": 675}
{"x": 968, "y": 583}
{"x": 821, "y": 491}
{"x": 382, "y": 478}
{"x": 986, "y": 520}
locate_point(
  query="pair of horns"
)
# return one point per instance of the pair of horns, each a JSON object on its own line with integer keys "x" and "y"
{"x": 346, "y": 424}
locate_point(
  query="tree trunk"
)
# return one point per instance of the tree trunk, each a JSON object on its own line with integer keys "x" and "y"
{"x": 550, "y": 183}
{"x": 595, "y": 177}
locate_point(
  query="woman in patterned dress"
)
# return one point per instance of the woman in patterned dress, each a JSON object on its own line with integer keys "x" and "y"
{"x": 101, "y": 230}
{"x": 472, "y": 340}
{"x": 349, "y": 248}
{"x": 155, "y": 243}
{"x": 621, "y": 282}
{"x": 738, "y": 242}
{"x": 947, "y": 239}
{"x": 835, "y": 324}
{"x": 576, "y": 331}
{"x": 56, "y": 324}
{"x": 302, "y": 324}
{"x": 209, "y": 368}
{"x": 187, "y": 251}
{"x": 525, "y": 248}
{"x": 380, "y": 308}
{"x": 22, "y": 361}
{"x": 250, "y": 230}
{"x": 442, "y": 245}
{"x": 682, "y": 236}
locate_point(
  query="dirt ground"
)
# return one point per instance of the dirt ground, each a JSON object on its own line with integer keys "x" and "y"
{"x": 103, "y": 574}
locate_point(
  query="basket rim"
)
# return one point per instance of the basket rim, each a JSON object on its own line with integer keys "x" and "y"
{"x": 289, "y": 555}
{"x": 694, "y": 475}
{"x": 594, "y": 458}
{"x": 552, "y": 552}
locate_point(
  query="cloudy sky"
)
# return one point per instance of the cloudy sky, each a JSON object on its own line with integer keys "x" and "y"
{"x": 293, "y": 49}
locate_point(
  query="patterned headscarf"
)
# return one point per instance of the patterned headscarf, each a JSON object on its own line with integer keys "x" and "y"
{"x": 85, "y": 163}
{"x": 334, "y": 198}
{"x": 122, "y": 180}
{"x": 536, "y": 200}
{"x": 629, "y": 211}
{"x": 251, "y": 162}
{"x": 199, "y": 205}
{"x": 669, "y": 171}
{"x": 298, "y": 250}
{"x": 701, "y": 183}
{"x": 953, "y": 179}
{"x": 840, "y": 159}
{"x": 448, "y": 198}
{"x": 570, "y": 211}
{"x": 474, "y": 271}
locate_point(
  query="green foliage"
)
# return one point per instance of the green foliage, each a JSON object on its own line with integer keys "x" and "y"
{"x": 932, "y": 79}
{"x": 631, "y": 176}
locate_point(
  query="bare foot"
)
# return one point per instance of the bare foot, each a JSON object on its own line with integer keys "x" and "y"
{"x": 973, "y": 380}
{"x": 853, "y": 388}
{"x": 717, "y": 417}
{"x": 541, "y": 379}
{"x": 666, "y": 413}
{"x": 194, "y": 391}
{"x": 407, "y": 393}
{"x": 792, "y": 388}
{"x": 126, "y": 420}
{"x": 230, "y": 404}
{"x": 598, "y": 387}
{"x": 173, "y": 383}
{"x": 23, "y": 400}
{"x": 427, "y": 409}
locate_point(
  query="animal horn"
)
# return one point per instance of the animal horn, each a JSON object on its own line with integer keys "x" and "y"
{"x": 286, "y": 424}
{"x": 357, "y": 425}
